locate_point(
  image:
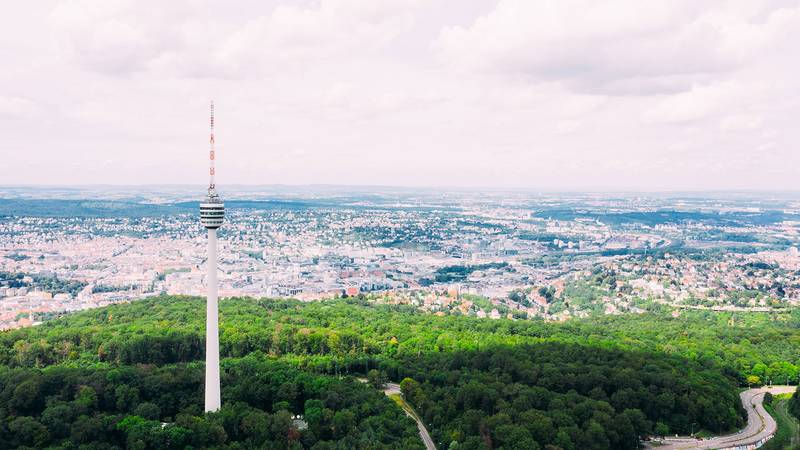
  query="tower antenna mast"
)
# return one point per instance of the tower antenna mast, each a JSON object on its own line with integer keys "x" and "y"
{"x": 211, "y": 157}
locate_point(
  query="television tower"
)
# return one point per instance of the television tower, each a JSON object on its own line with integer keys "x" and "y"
{"x": 212, "y": 212}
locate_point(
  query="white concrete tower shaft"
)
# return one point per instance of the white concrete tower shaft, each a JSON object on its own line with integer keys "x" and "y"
{"x": 212, "y": 214}
{"x": 213, "y": 395}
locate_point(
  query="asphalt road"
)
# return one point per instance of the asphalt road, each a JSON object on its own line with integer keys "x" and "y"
{"x": 759, "y": 424}
{"x": 391, "y": 389}
{"x": 394, "y": 389}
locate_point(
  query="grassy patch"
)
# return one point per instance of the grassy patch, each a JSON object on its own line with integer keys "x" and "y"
{"x": 705, "y": 434}
{"x": 788, "y": 434}
{"x": 406, "y": 407}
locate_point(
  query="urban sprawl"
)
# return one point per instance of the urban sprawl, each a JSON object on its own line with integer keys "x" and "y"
{"x": 490, "y": 256}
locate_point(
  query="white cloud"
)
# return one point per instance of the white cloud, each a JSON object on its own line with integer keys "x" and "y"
{"x": 17, "y": 108}
{"x": 292, "y": 35}
{"x": 124, "y": 36}
{"x": 703, "y": 101}
{"x": 741, "y": 122}
{"x": 620, "y": 46}
{"x": 548, "y": 94}
{"x": 115, "y": 37}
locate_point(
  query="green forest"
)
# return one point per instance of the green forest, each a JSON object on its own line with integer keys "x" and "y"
{"x": 131, "y": 376}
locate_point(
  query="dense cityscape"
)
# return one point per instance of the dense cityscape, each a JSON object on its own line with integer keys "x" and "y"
{"x": 517, "y": 255}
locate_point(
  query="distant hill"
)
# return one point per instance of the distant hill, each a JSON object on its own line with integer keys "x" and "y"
{"x": 86, "y": 208}
{"x": 667, "y": 216}
{"x": 134, "y": 209}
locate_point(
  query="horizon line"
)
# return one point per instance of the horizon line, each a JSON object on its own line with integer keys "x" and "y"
{"x": 582, "y": 190}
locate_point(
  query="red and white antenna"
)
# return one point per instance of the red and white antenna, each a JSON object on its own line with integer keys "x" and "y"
{"x": 211, "y": 154}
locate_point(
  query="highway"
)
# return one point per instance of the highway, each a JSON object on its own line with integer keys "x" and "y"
{"x": 759, "y": 424}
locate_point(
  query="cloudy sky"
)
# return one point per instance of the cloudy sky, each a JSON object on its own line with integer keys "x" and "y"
{"x": 547, "y": 95}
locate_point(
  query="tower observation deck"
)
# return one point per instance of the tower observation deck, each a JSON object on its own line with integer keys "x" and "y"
{"x": 212, "y": 212}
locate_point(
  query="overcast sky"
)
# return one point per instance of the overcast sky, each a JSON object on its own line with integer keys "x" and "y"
{"x": 549, "y": 95}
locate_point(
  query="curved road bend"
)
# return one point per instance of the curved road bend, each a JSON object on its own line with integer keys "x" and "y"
{"x": 759, "y": 424}
{"x": 394, "y": 389}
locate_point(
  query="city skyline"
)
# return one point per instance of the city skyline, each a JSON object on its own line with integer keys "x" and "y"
{"x": 543, "y": 96}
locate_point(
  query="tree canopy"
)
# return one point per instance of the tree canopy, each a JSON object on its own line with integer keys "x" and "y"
{"x": 131, "y": 376}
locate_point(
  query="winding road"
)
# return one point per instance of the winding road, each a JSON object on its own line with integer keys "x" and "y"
{"x": 760, "y": 425}
{"x": 394, "y": 389}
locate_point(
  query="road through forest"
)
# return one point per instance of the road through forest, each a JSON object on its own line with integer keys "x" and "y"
{"x": 394, "y": 389}
{"x": 759, "y": 424}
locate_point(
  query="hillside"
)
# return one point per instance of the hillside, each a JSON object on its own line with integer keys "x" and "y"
{"x": 109, "y": 377}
